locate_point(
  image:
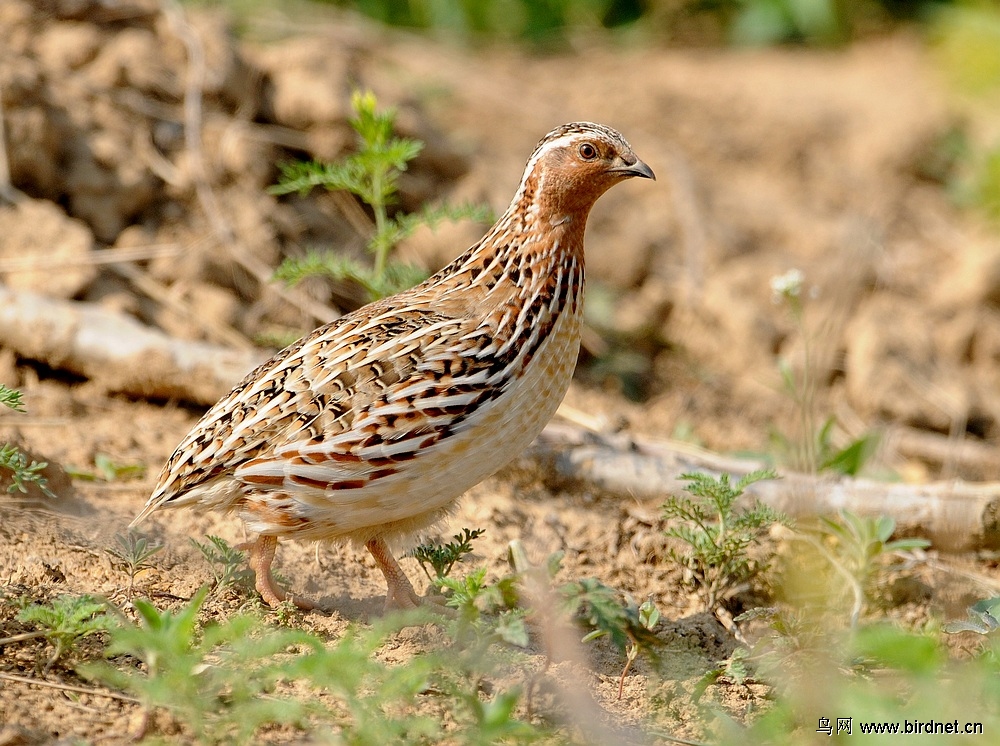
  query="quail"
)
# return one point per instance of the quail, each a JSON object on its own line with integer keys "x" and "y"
{"x": 371, "y": 427}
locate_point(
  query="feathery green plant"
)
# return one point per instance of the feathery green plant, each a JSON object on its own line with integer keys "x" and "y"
{"x": 11, "y": 398}
{"x": 224, "y": 681}
{"x": 212, "y": 678}
{"x": 67, "y": 619}
{"x": 228, "y": 564}
{"x": 372, "y": 174}
{"x": 13, "y": 460}
{"x": 131, "y": 554}
{"x": 442, "y": 557}
{"x": 716, "y": 535}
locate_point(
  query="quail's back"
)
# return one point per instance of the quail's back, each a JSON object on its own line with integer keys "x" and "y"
{"x": 372, "y": 426}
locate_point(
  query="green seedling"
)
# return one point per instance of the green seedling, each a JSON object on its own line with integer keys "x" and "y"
{"x": 22, "y": 472}
{"x": 860, "y": 550}
{"x": 214, "y": 679}
{"x": 108, "y": 470}
{"x": 371, "y": 174}
{"x": 716, "y": 535}
{"x": 851, "y": 554}
{"x": 442, "y": 557}
{"x": 733, "y": 668}
{"x": 66, "y": 620}
{"x": 132, "y": 554}
{"x": 648, "y": 615}
{"x": 11, "y": 398}
{"x": 228, "y": 564}
{"x": 487, "y": 612}
{"x": 629, "y": 627}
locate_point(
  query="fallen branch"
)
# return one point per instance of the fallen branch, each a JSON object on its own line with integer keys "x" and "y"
{"x": 939, "y": 450}
{"x": 117, "y": 351}
{"x": 954, "y": 515}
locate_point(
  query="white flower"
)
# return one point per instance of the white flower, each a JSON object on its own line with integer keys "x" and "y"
{"x": 787, "y": 286}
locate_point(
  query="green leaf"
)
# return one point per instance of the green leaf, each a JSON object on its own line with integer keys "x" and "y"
{"x": 442, "y": 557}
{"x": 901, "y": 650}
{"x": 649, "y": 615}
{"x": 511, "y": 628}
{"x": 852, "y": 459}
{"x": 598, "y": 605}
{"x": 23, "y": 473}
{"x": 11, "y": 398}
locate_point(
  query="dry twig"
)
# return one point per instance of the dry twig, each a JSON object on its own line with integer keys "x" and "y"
{"x": 69, "y": 688}
{"x": 8, "y": 191}
{"x": 117, "y": 351}
{"x": 955, "y": 515}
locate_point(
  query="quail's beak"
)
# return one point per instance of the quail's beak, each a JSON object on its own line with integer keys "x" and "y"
{"x": 635, "y": 168}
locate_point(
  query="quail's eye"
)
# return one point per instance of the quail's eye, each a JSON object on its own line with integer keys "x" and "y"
{"x": 588, "y": 152}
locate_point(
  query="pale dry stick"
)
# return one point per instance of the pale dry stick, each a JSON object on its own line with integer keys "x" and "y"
{"x": 957, "y": 417}
{"x": 69, "y": 688}
{"x": 117, "y": 350}
{"x": 726, "y": 618}
{"x": 352, "y": 211}
{"x": 22, "y": 637}
{"x": 157, "y": 163}
{"x": 694, "y": 242}
{"x": 278, "y": 134}
{"x": 932, "y": 447}
{"x": 93, "y": 258}
{"x": 955, "y": 515}
{"x": 7, "y": 190}
{"x": 224, "y": 232}
{"x": 120, "y": 261}
{"x": 990, "y": 584}
{"x": 589, "y": 422}
{"x": 132, "y": 99}
{"x": 83, "y": 708}
{"x": 593, "y": 342}
{"x": 903, "y": 442}
{"x": 560, "y": 642}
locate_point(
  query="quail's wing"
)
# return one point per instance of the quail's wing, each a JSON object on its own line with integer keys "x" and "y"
{"x": 341, "y": 406}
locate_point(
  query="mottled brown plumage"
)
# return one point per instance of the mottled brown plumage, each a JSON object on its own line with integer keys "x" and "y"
{"x": 372, "y": 426}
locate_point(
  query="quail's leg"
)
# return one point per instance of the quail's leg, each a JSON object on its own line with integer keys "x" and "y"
{"x": 400, "y": 594}
{"x": 261, "y": 556}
